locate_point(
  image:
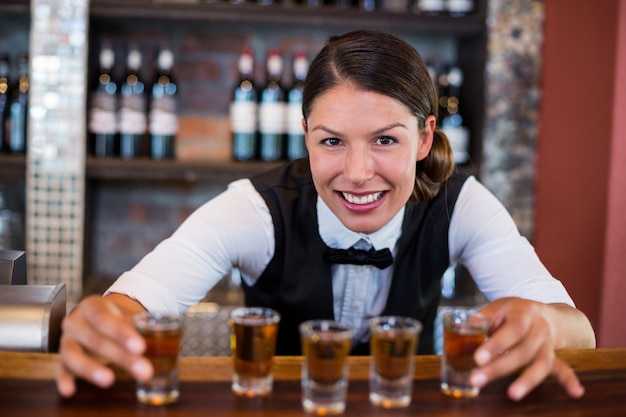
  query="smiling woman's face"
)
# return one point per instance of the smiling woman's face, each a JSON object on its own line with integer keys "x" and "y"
{"x": 363, "y": 147}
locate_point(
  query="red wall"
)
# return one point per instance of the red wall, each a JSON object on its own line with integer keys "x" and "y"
{"x": 580, "y": 227}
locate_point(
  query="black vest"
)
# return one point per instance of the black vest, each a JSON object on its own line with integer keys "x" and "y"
{"x": 297, "y": 281}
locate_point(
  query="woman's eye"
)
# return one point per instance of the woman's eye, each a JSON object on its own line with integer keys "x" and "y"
{"x": 385, "y": 140}
{"x": 331, "y": 141}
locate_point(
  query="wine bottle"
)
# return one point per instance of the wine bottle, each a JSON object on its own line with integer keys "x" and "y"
{"x": 132, "y": 111}
{"x": 103, "y": 107}
{"x": 163, "y": 118}
{"x": 295, "y": 135}
{"x": 460, "y": 7}
{"x": 243, "y": 110}
{"x": 272, "y": 111}
{"x": 4, "y": 101}
{"x": 19, "y": 107}
{"x": 452, "y": 123}
{"x": 429, "y": 7}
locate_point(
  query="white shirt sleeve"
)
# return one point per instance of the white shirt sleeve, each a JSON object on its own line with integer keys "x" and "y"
{"x": 233, "y": 229}
{"x": 484, "y": 238}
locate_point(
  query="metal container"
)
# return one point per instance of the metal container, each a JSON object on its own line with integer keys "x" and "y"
{"x": 31, "y": 316}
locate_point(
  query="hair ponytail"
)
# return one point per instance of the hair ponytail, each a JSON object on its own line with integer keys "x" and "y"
{"x": 434, "y": 169}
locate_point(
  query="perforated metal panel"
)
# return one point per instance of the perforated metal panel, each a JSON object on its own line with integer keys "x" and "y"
{"x": 55, "y": 179}
{"x": 206, "y": 330}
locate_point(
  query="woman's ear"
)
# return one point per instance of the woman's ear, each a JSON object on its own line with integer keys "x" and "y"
{"x": 426, "y": 137}
{"x": 304, "y": 129}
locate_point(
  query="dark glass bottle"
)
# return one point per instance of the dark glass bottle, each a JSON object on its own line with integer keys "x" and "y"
{"x": 163, "y": 118}
{"x": 19, "y": 107}
{"x": 4, "y": 101}
{"x": 295, "y": 134}
{"x": 243, "y": 110}
{"x": 460, "y": 7}
{"x": 132, "y": 111}
{"x": 103, "y": 108}
{"x": 272, "y": 111}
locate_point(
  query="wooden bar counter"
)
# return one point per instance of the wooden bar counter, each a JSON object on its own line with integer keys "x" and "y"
{"x": 27, "y": 389}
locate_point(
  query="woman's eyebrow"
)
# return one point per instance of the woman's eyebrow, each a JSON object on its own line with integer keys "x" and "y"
{"x": 375, "y": 132}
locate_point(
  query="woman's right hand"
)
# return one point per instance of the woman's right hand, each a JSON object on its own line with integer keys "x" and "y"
{"x": 96, "y": 334}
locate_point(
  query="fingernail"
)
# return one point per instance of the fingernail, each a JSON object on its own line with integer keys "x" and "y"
{"x": 141, "y": 369}
{"x": 102, "y": 378}
{"x": 482, "y": 357}
{"x": 517, "y": 392}
{"x": 135, "y": 345}
{"x": 478, "y": 379}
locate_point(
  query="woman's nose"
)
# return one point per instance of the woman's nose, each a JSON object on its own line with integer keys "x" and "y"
{"x": 358, "y": 165}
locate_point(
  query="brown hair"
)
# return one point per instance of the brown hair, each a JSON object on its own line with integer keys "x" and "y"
{"x": 384, "y": 63}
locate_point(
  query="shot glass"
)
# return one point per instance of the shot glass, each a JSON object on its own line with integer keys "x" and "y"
{"x": 326, "y": 345}
{"x": 464, "y": 330}
{"x": 163, "y": 334}
{"x": 393, "y": 341}
{"x": 253, "y": 343}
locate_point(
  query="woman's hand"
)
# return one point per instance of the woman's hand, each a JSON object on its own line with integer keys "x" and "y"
{"x": 98, "y": 333}
{"x": 524, "y": 335}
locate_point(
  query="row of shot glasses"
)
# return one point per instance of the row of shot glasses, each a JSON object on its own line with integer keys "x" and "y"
{"x": 326, "y": 346}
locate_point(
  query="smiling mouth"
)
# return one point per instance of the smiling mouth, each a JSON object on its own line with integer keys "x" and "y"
{"x": 364, "y": 199}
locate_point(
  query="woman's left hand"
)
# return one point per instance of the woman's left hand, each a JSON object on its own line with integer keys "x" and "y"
{"x": 522, "y": 336}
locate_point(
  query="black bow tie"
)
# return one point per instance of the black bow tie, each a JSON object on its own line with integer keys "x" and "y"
{"x": 379, "y": 258}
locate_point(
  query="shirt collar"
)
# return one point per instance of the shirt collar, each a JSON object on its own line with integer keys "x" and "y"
{"x": 336, "y": 235}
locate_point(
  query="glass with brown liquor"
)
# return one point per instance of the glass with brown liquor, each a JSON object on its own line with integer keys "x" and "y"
{"x": 253, "y": 343}
{"x": 464, "y": 330}
{"x": 163, "y": 335}
{"x": 393, "y": 343}
{"x": 326, "y": 345}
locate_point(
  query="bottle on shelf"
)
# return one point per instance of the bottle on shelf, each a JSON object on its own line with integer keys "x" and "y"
{"x": 452, "y": 123}
{"x": 243, "y": 110}
{"x": 460, "y": 7}
{"x": 4, "y": 101}
{"x": 163, "y": 117}
{"x": 295, "y": 135}
{"x": 103, "y": 109}
{"x": 132, "y": 111}
{"x": 368, "y": 5}
{"x": 272, "y": 111}
{"x": 429, "y": 7}
{"x": 19, "y": 107}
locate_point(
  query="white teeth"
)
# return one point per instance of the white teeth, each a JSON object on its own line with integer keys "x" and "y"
{"x": 362, "y": 200}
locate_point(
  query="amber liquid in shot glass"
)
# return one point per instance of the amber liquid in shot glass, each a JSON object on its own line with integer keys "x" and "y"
{"x": 163, "y": 335}
{"x": 253, "y": 344}
{"x": 326, "y": 345}
{"x": 393, "y": 343}
{"x": 464, "y": 332}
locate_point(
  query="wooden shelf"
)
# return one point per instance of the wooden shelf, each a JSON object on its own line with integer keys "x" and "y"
{"x": 145, "y": 169}
{"x": 170, "y": 170}
{"x": 12, "y": 167}
{"x": 117, "y": 169}
{"x": 292, "y": 15}
{"x": 284, "y": 15}
{"x": 17, "y": 6}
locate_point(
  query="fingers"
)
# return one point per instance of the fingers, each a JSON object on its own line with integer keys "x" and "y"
{"x": 105, "y": 320}
{"x": 75, "y": 363}
{"x": 521, "y": 339}
{"x": 534, "y": 375}
{"x": 568, "y": 379}
{"x": 94, "y": 335}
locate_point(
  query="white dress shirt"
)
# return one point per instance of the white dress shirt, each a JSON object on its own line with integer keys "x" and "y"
{"x": 235, "y": 229}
